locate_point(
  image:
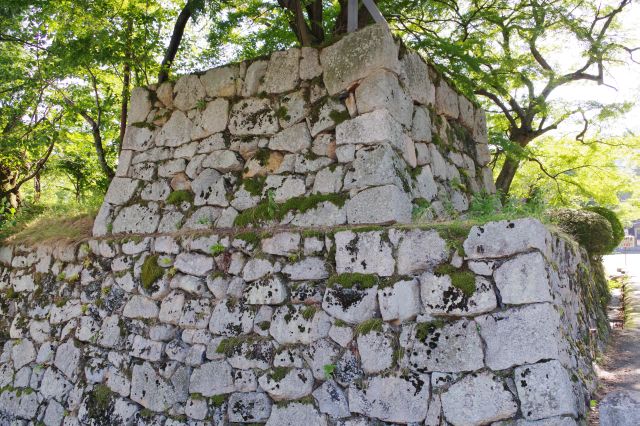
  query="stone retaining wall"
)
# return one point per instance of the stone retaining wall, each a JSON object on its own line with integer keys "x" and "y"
{"x": 359, "y": 132}
{"x": 408, "y": 325}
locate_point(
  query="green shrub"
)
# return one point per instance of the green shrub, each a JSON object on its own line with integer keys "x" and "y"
{"x": 179, "y": 197}
{"x": 616, "y": 226}
{"x": 590, "y": 229}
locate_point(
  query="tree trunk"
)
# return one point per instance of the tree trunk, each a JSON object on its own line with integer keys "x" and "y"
{"x": 505, "y": 178}
{"x": 126, "y": 82}
{"x": 37, "y": 188}
{"x": 340, "y": 25}
{"x": 102, "y": 160}
{"x": 174, "y": 42}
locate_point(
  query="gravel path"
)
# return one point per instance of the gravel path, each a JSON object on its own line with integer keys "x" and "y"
{"x": 620, "y": 369}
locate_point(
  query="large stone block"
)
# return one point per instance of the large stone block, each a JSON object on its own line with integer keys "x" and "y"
{"x": 415, "y": 76}
{"x": 545, "y": 390}
{"x": 506, "y": 238}
{"x": 441, "y": 298}
{"x": 524, "y": 279}
{"x": 420, "y": 250}
{"x": 357, "y": 55}
{"x": 138, "y": 138}
{"x": 373, "y": 128}
{"x": 376, "y": 166}
{"x": 447, "y": 100}
{"x": 401, "y": 301}
{"x": 452, "y": 348}
{"x": 363, "y": 252}
{"x": 209, "y": 189}
{"x": 394, "y": 398}
{"x": 137, "y": 218}
{"x": 176, "y": 131}
{"x": 253, "y": 116}
{"x": 212, "y": 119}
{"x": 519, "y": 336}
{"x": 620, "y": 408}
{"x": 283, "y": 72}
{"x": 292, "y": 139}
{"x": 381, "y": 90}
{"x": 188, "y": 92}
{"x": 295, "y": 384}
{"x": 151, "y": 390}
{"x": 139, "y": 105}
{"x": 379, "y": 205}
{"x": 250, "y": 407}
{"x": 350, "y": 305}
{"x": 221, "y": 82}
{"x": 477, "y": 400}
{"x": 295, "y": 414}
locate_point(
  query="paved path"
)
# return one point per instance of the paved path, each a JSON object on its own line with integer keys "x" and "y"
{"x": 621, "y": 368}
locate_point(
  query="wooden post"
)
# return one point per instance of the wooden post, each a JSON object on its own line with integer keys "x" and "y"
{"x": 352, "y": 14}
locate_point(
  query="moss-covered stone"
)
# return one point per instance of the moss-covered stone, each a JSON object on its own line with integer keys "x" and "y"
{"x": 366, "y": 327}
{"x": 350, "y": 280}
{"x": 590, "y": 229}
{"x": 179, "y": 197}
{"x": 150, "y": 271}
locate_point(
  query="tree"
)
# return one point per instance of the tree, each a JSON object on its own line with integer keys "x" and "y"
{"x": 516, "y": 55}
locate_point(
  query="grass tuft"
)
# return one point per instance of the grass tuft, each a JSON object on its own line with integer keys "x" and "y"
{"x": 150, "y": 272}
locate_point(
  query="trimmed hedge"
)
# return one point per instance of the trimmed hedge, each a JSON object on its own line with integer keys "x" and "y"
{"x": 590, "y": 229}
{"x": 616, "y": 226}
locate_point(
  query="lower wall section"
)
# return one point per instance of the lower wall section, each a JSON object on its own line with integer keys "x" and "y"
{"x": 404, "y": 325}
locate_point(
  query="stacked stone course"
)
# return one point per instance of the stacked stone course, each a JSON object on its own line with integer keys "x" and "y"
{"x": 343, "y": 327}
{"x": 234, "y": 276}
{"x": 369, "y": 132}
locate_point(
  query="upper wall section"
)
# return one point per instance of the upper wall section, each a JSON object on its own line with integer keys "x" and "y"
{"x": 358, "y": 132}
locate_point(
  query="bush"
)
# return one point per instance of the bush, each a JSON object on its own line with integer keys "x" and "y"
{"x": 590, "y": 229}
{"x": 616, "y": 226}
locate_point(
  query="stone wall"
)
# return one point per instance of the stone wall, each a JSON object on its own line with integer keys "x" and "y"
{"x": 409, "y": 325}
{"x": 359, "y": 132}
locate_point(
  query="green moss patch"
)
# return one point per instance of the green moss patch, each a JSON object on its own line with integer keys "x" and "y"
{"x": 361, "y": 281}
{"x": 228, "y": 346}
{"x": 278, "y": 373}
{"x": 269, "y": 210}
{"x": 426, "y": 329}
{"x": 465, "y": 281}
{"x": 150, "y": 271}
{"x": 179, "y": 197}
{"x": 254, "y": 185}
{"x": 216, "y": 249}
{"x": 366, "y": 327}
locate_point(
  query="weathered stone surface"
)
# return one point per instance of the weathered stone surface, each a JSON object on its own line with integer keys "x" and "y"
{"x": 379, "y": 205}
{"x": 507, "y": 237}
{"x": 467, "y": 113}
{"x": 212, "y": 378}
{"x": 620, "y": 408}
{"x": 18, "y": 404}
{"x": 420, "y": 250}
{"x": 140, "y": 105}
{"x": 292, "y": 139}
{"x": 421, "y": 126}
{"x": 357, "y": 55}
{"x": 176, "y": 131}
{"x": 415, "y": 76}
{"x": 137, "y": 218}
{"x": 255, "y": 73}
{"x": 295, "y": 414}
{"x": 281, "y": 244}
{"x": 137, "y": 139}
{"x": 251, "y": 407}
{"x": 332, "y": 400}
{"x": 328, "y": 180}
{"x": 253, "y": 116}
{"x": 477, "y": 400}
{"x": 54, "y": 385}
{"x": 257, "y": 268}
{"x": 381, "y": 90}
{"x": 350, "y": 305}
{"x": 267, "y": 291}
{"x": 401, "y": 301}
{"x": 309, "y": 63}
{"x": 376, "y": 351}
{"x": 296, "y": 383}
{"x": 212, "y": 119}
{"x": 194, "y": 264}
{"x": 309, "y": 268}
{"x": 530, "y": 340}
{"x": 188, "y": 91}
{"x": 298, "y": 324}
{"x": 140, "y": 307}
{"x": 283, "y": 72}
{"x": 440, "y": 297}
{"x": 453, "y": 348}
{"x": 221, "y": 82}
{"x": 446, "y": 100}
{"x": 424, "y": 185}
{"x": 146, "y": 349}
{"x": 376, "y": 166}
{"x": 22, "y": 353}
{"x": 363, "y": 252}
{"x": 395, "y": 398}
{"x": 373, "y": 128}
{"x": 231, "y": 318}
{"x": 209, "y": 189}
{"x": 150, "y": 390}
{"x": 523, "y": 279}
{"x": 545, "y": 390}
